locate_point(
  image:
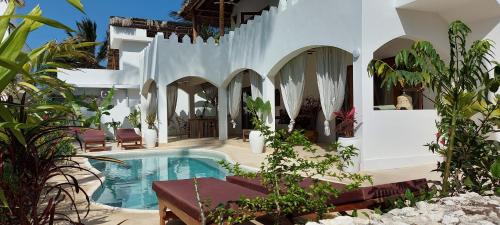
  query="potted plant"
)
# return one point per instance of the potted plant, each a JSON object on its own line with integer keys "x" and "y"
{"x": 150, "y": 133}
{"x": 134, "y": 118}
{"x": 259, "y": 111}
{"x": 115, "y": 125}
{"x": 346, "y": 127}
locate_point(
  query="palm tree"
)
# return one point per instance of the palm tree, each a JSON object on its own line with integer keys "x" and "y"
{"x": 87, "y": 33}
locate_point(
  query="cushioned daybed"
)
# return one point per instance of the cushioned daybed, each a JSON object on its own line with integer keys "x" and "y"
{"x": 93, "y": 137}
{"x": 364, "y": 197}
{"x": 128, "y": 136}
{"x": 179, "y": 197}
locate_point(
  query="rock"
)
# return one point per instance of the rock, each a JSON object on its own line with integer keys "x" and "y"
{"x": 361, "y": 221}
{"x": 395, "y": 212}
{"x": 484, "y": 222}
{"x": 312, "y": 223}
{"x": 409, "y": 212}
{"x": 341, "y": 220}
{"x": 399, "y": 223}
{"x": 465, "y": 209}
{"x": 435, "y": 216}
{"x": 450, "y": 220}
{"x": 422, "y": 206}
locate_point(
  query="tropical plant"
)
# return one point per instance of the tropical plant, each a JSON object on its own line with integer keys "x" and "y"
{"x": 258, "y": 108}
{"x": 347, "y": 125}
{"x": 32, "y": 157}
{"x": 114, "y": 125}
{"x": 87, "y": 33}
{"x": 464, "y": 101}
{"x": 99, "y": 107}
{"x": 151, "y": 120}
{"x": 33, "y": 144}
{"x": 282, "y": 172}
{"x": 134, "y": 118}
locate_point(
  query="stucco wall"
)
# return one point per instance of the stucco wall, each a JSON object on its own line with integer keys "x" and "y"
{"x": 124, "y": 101}
{"x": 250, "y": 6}
{"x": 389, "y": 138}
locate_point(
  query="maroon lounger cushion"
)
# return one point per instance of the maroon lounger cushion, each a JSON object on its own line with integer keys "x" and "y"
{"x": 127, "y": 135}
{"x": 358, "y": 195}
{"x": 181, "y": 193}
{"x": 93, "y": 136}
{"x": 255, "y": 183}
{"x": 380, "y": 191}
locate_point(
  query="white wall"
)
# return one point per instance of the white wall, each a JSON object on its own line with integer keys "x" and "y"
{"x": 100, "y": 78}
{"x": 250, "y": 6}
{"x": 124, "y": 101}
{"x": 389, "y": 138}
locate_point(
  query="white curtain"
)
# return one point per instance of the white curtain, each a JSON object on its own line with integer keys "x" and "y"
{"x": 331, "y": 69}
{"x": 255, "y": 84}
{"x": 234, "y": 91}
{"x": 172, "y": 91}
{"x": 292, "y": 77}
{"x": 152, "y": 99}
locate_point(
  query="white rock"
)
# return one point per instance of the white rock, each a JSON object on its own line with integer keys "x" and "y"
{"x": 484, "y": 222}
{"x": 408, "y": 212}
{"x": 361, "y": 221}
{"x": 458, "y": 213}
{"x": 341, "y": 220}
{"x": 312, "y": 223}
{"x": 422, "y": 206}
{"x": 399, "y": 223}
{"x": 395, "y": 212}
{"x": 435, "y": 216}
{"x": 450, "y": 220}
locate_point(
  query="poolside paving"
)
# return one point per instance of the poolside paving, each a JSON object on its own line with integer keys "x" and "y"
{"x": 239, "y": 152}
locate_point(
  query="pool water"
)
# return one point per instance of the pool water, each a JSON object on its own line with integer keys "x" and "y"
{"x": 130, "y": 185}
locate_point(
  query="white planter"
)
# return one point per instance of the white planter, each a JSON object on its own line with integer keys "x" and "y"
{"x": 256, "y": 142}
{"x": 137, "y": 131}
{"x": 150, "y": 138}
{"x": 354, "y": 141}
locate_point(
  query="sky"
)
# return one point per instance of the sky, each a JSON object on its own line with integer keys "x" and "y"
{"x": 98, "y": 11}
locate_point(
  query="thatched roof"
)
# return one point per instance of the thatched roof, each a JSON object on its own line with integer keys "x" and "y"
{"x": 152, "y": 26}
{"x": 207, "y": 11}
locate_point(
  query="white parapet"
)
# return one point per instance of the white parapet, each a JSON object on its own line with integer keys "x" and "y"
{"x": 99, "y": 78}
{"x": 120, "y": 34}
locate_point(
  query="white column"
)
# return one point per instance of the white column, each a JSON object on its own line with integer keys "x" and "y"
{"x": 144, "y": 112}
{"x": 222, "y": 113}
{"x": 162, "y": 115}
{"x": 268, "y": 94}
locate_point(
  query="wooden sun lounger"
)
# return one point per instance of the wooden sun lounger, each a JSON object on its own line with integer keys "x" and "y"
{"x": 128, "y": 136}
{"x": 93, "y": 137}
{"x": 362, "y": 198}
{"x": 179, "y": 197}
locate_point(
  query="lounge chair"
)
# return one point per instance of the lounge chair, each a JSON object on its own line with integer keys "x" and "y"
{"x": 93, "y": 137}
{"x": 128, "y": 136}
{"x": 361, "y": 198}
{"x": 179, "y": 197}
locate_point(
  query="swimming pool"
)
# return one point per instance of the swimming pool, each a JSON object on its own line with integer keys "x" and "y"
{"x": 129, "y": 185}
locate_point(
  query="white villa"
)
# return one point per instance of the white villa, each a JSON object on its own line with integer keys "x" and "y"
{"x": 292, "y": 53}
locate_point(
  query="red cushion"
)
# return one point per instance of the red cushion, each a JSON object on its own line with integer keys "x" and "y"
{"x": 181, "y": 193}
{"x": 127, "y": 135}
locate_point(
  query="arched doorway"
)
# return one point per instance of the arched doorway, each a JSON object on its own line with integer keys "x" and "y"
{"x": 387, "y": 99}
{"x": 240, "y": 85}
{"x": 311, "y": 86}
{"x": 194, "y": 113}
